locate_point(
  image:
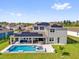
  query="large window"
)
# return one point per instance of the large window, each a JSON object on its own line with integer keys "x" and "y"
{"x": 51, "y": 39}
{"x": 41, "y": 28}
{"x": 58, "y": 39}
{"x": 16, "y": 39}
{"x": 35, "y": 28}
{"x": 52, "y": 30}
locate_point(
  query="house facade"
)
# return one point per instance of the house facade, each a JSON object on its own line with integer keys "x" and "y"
{"x": 41, "y": 33}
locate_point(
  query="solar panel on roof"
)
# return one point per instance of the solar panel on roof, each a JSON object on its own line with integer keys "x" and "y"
{"x": 43, "y": 23}
{"x": 28, "y": 34}
{"x": 55, "y": 25}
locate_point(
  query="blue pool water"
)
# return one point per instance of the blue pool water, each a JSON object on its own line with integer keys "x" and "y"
{"x": 23, "y": 48}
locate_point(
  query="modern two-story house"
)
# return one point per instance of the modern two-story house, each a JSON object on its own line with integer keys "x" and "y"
{"x": 41, "y": 33}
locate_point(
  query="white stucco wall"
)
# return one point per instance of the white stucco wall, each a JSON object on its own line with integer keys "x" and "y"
{"x": 59, "y": 32}
{"x": 62, "y": 34}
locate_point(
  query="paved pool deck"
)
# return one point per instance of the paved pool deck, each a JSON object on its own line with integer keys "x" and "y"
{"x": 48, "y": 48}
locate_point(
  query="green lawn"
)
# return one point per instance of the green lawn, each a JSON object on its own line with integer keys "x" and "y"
{"x": 72, "y": 48}
{"x": 3, "y": 45}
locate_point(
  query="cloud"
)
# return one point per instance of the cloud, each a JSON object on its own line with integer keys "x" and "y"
{"x": 19, "y": 14}
{"x": 59, "y": 6}
{"x": 16, "y": 14}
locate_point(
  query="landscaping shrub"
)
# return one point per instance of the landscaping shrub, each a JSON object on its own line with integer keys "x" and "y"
{"x": 55, "y": 51}
{"x": 66, "y": 53}
{"x": 61, "y": 48}
{"x": 0, "y": 53}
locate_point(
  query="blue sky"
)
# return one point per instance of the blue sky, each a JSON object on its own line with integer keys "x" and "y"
{"x": 38, "y": 10}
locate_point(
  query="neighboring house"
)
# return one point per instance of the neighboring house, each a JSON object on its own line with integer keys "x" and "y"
{"x": 28, "y": 28}
{"x": 11, "y": 27}
{"x": 21, "y": 27}
{"x": 5, "y": 32}
{"x": 73, "y": 32}
{"x": 17, "y": 27}
{"x": 42, "y": 33}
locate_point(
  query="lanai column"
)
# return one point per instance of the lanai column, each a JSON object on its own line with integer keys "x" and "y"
{"x": 46, "y": 39}
{"x": 10, "y": 40}
{"x": 32, "y": 40}
{"x": 14, "y": 40}
{"x": 19, "y": 38}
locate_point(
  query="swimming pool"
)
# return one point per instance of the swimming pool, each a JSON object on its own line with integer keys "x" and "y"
{"x": 24, "y": 48}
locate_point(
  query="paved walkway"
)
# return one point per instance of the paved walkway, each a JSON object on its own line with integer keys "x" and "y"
{"x": 49, "y": 48}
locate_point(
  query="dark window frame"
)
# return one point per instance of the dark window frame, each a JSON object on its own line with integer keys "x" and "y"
{"x": 58, "y": 39}
{"x": 35, "y": 28}
{"x": 41, "y": 28}
{"x": 51, "y": 39}
{"x": 52, "y": 30}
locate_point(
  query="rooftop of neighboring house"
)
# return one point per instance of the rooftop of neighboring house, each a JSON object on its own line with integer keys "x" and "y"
{"x": 11, "y": 25}
{"x": 3, "y": 29}
{"x": 73, "y": 29}
{"x": 57, "y": 25}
